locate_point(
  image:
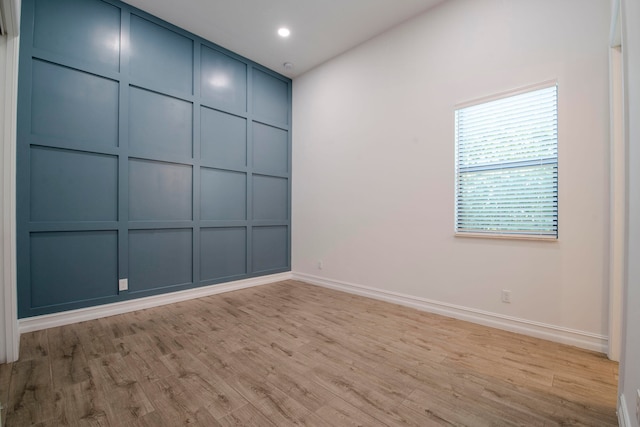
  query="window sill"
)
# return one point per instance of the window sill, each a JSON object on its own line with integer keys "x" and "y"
{"x": 506, "y": 236}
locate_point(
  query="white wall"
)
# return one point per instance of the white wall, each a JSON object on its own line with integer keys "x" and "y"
{"x": 629, "y": 366}
{"x": 373, "y": 159}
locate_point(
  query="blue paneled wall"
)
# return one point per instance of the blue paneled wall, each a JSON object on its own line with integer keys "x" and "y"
{"x": 145, "y": 153}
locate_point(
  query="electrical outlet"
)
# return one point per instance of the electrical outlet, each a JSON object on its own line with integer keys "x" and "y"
{"x": 123, "y": 284}
{"x": 320, "y": 265}
{"x": 506, "y": 296}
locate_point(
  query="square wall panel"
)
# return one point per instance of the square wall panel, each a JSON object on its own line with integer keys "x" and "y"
{"x": 223, "y": 138}
{"x": 88, "y": 30}
{"x": 270, "y": 149}
{"x": 73, "y": 186}
{"x": 223, "y": 195}
{"x": 160, "y": 124}
{"x": 159, "y": 258}
{"x": 270, "y": 200}
{"x": 223, "y": 80}
{"x": 223, "y": 252}
{"x": 159, "y": 191}
{"x": 270, "y": 248}
{"x": 73, "y": 105}
{"x": 73, "y": 266}
{"x": 270, "y": 97}
{"x": 161, "y": 56}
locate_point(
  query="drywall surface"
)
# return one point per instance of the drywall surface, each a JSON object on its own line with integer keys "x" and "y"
{"x": 373, "y": 156}
{"x": 629, "y": 367}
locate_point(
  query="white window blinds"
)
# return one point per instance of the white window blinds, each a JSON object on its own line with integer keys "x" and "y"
{"x": 507, "y": 165}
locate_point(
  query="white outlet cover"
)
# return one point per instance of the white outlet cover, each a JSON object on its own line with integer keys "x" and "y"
{"x": 506, "y": 296}
{"x": 123, "y": 284}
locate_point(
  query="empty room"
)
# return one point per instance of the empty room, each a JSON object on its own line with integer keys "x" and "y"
{"x": 322, "y": 213}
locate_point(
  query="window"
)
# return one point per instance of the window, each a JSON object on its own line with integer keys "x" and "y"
{"x": 507, "y": 165}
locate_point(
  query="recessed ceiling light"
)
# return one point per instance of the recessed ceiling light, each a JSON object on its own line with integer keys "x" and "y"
{"x": 284, "y": 32}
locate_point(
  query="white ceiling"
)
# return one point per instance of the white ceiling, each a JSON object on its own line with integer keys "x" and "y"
{"x": 320, "y": 29}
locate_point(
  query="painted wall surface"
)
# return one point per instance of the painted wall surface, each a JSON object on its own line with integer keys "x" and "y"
{"x": 374, "y": 160}
{"x": 144, "y": 153}
{"x": 629, "y": 366}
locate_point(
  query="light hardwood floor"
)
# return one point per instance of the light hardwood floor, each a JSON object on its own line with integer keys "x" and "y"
{"x": 294, "y": 354}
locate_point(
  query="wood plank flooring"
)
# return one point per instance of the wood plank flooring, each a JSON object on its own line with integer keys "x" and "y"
{"x": 294, "y": 354}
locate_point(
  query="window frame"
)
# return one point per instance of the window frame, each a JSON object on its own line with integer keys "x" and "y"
{"x": 505, "y": 234}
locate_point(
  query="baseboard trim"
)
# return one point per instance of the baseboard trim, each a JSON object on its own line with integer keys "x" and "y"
{"x": 623, "y": 412}
{"x": 46, "y": 321}
{"x": 581, "y": 339}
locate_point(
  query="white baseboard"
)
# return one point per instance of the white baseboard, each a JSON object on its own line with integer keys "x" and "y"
{"x": 46, "y": 321}
{"x": 623, "y": 413}
{"x": 559, "y": 334}
{"x": 526, "y": 327}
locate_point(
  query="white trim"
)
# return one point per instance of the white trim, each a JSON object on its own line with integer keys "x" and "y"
{"x": 10, "y": 342}
{"x": 617, "y": 203}
{"x": 623, "y": 413}
{"x": 586, "y": 340}
{"x": 10, "y": 11}
{"x": 506, "y": 94}
{"x": 478, "y": 235}
{"x": 615, "y": 34}
{"x": 37, "y": 323}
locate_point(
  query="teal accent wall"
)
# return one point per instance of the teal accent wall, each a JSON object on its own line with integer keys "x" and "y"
{"x": 144, "y": 152}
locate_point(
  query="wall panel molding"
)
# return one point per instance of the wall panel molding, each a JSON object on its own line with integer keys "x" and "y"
{"x": 131, "y": 126}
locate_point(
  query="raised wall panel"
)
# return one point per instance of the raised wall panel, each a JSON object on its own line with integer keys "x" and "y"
{"x": 223, "y": 80}
{"x": 73, "y": 186}
{"x": 143, "y": 153}
{"x": 270, "y": 149}
{"x": 159, "y": 258}
{"x": 270, "y": 248}
{"x": 270, "y": 97}
{"x": 87, "y": 30}
{"x": 223, "y": 138}
{"x": 160, "y": 56}
{"x": 223, "y": 195}
{"x": 223, "y": 252}
{"x": 160, "y": 124}
{"x": 73, "y": 266}
{"x": 159, "y": 191}
{"x": 74, "y": 105}
{"x": 270, "y": 198}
